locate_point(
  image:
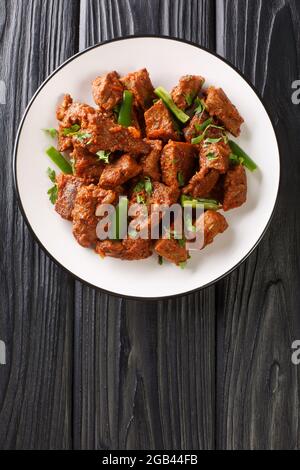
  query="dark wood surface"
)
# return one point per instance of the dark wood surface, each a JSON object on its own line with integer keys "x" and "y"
{"x": 86, "y": 370}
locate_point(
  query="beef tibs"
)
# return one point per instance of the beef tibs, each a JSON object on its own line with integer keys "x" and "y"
{"x": 120, "y": 171}
{"x": 86, "y": 165}
{"x": 188, "y": 88}
{"x": 178, "y": 163}
{"x": 215, "y": 156}
{"x": 67, "y": 186}
{"x": 107, "y": 91}
{"x": 211, "y": 223}
{"x": 84, "y": 213}
{"x": 151, "y": 162}
{"x": 128, "y": 249}
{"x": 160, "y": 154}
{"x": 171, "y": 250}
{"x": 219, "y": 106}
{"x": 235, "y": 188}
{"x": 202, "y": 183}
{"x": 160, "y": 123}
{"x": 140, "y": 84}
{"x": 70, "y": 113}
{"x": 102, "y": 133}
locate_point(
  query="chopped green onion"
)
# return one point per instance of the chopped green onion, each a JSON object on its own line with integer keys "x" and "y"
{"x": 212, "y": 141}
{"x": 189, "y": 98}
{"x": 140, "y": 186}
{"x": 199, "y": 139}
{"x": 208, "y": 204}
{"x": 104, "y": 155}
{"x": 71, "y": 130}
{"x": 148, "y": 186}
{"x": 160, "y": 260}
{"x": 125, "y": 114}
{"x": 189, "y": 223}
{"x": 211, "y": 156}
{"x": 202, "y": 127}
{"x": 200, "y": 106}
{"x": 242, "y": 156}
{"x": 181, "y": 243}
{"x": 59, "y": 160}
{"x": 180, "y": 179}
{"x": 169, "y": 103}
{"x": 52, "y": 132}
{"x": 182, "y": 264}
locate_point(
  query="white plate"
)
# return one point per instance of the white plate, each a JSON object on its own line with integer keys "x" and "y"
{"x": 166, "y": 59}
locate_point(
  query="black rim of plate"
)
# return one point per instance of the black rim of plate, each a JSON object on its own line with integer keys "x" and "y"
{"x": 14, "y": 162}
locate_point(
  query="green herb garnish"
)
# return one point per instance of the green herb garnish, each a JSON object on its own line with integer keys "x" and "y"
{"x": 81, "y": 136}
{"x": 140, "y": 199}
{"x": 148, "y": 186}
{"x": 103, "y": 155}
{"x": 202, "y": 127}
{"x": 160, "y": 260}
{"x": 200, "y": 106}
{"x": 180, "y": 179}
{"x": 71, "y": 130}
{"x": 211, "y": 156}
{"x": 189, "y": 98}
{"x": 52, "y": 132}
{"x": 52, "y": 192}
{"x": 169, "y": 103}
{"x": 182, "y": 264}
{"x": 201, "y": 137}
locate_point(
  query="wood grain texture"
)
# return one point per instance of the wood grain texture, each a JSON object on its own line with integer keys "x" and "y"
{"x": 258, "y": 305}
{"x": 36, "y": 297}
{"x": 144, "y": 371}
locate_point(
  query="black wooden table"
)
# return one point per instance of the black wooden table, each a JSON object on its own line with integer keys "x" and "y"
{"x": 86, "y": 370}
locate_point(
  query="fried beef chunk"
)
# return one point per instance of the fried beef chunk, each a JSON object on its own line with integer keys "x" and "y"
{"x": 188, "y": 88}
{"x": 202, "y": 183}
{"x": 171, "y": 250}
{"x": 128, "y": 249}
{"x": 107, "y": 91}
{"x": 117, "y": 173}
{"x": 160, "y": 123}
{"x": 70, "y": 113}
{"x": 140, "y": 84}
{"x": 102, "y": 133}
{"x": 163, "y": 195}
{"x": 84, "y": 218}
{"x": 215, "y": 156}
{"x": 68, "y": 186}
{"x": 86, "y": 164}
{"x": 177, "y": 163}
{"x": 219, "y": 106}
{"x": 212, "y": 223}
{"x": 151, "y": 162}
{"x": 235, "y": 188}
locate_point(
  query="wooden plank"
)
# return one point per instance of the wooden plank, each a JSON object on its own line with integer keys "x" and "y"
{"x": 36, "y": 296}
{"x": 144, "y": 371}
{"x": 258, "y": 309}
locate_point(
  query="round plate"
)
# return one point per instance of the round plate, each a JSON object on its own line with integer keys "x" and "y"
{"x": 166, "y": 60}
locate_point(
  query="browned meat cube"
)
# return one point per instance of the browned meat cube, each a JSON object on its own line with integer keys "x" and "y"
{"x": 127, "y": 249}
{"x": 84, "y": 217}
{"x": 212, "y": 223}
{"x": 163, "y": 195}
{"x": 86, "y": 164}
{"x": 117, "y": 173}
{"x": 102, "y": 133}
{"x": 171, "y": 250}
{"x": 108, "y": 91}
{"x": 235, "y": 188}
{"x": 193, "y": 130}
{"x": 151, "y": 162}
{"x": 219, "y": 105}
{"x": 188, "y": 88}
{"x": 160, "y": 123}
{"x": 215, "y": 156}
{"x": 202, "y": 183}
{"x": 68, "y": 186}
{"x": 140, "y": 84}
{"x": 70, "y": 113}
{"x": 177, "y": 163}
